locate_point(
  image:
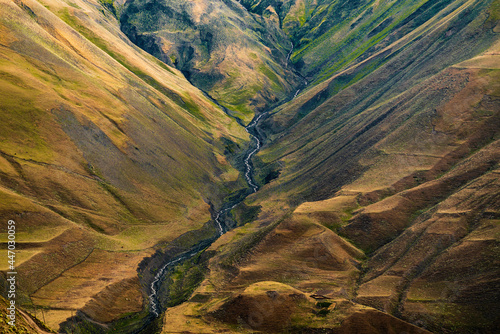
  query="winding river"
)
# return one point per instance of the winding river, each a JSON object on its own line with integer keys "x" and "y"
{"x": 219, "y": 220}
{"x": 219, "y": 216}
{"x": 248, "y": 164}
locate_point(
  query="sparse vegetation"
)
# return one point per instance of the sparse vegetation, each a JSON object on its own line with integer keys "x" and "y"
{"x": 185, "y": 279}
{"x": 109, "y": 5}
{"x": 378, "y": 180}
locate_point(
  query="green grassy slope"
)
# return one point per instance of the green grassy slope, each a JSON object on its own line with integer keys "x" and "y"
{"x": 240, "y": 59}
{"x": 104, "y": 152}
{"x": 379, "y": 183}
{"x": 322, "y": 134}
{"x": 330, "y": 36}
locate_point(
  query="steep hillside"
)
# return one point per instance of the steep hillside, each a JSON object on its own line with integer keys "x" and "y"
{"x": 25, "y": 324}
{"x": 380, "y": 182}
{"x": 330, "y": 128}
{"x": 239, "y": 58}
{"x": 377, "y": 209}
{"x": 105, "y": 152}
{"x": 329, "y": 36}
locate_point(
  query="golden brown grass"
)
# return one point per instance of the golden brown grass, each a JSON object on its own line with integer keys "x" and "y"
{"x": 104, "y": 150}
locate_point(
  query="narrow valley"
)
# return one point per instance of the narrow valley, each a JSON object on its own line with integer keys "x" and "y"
{"x": 250, "y": 166}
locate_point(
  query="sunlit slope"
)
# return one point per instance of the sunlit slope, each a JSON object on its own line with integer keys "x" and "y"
{"x": 278, "y": 275}
{"x": 329, "y": 36}
{"x": 24, "y": 324}
{"x": 380, "y": 188}
{"x": 323, "y": 136}
{"x": 239, "y": 58}
{"x": 102, "y": 148}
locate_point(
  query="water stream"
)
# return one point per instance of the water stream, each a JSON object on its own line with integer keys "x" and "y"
{"x": 258, "y": 143}
{"x": 219, "y": 220}
{"x": 288, "y": 56}
{"x": 219, "y": 216}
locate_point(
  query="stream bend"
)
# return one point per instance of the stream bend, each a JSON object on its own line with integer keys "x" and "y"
{"x": 219, "y": 219}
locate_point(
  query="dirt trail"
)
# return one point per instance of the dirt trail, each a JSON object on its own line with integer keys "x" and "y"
{"x": 32, "y": 323}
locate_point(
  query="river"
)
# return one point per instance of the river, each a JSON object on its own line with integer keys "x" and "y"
{"x": 220, "y": 216}
{"x": 219, "y": 219}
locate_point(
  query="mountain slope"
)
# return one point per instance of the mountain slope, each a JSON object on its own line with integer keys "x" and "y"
{"x": 332, "y": 121}
{"x": 240, "y": 59}
{"x": 379, "y": 185}
{"x": 377, "y": 210}
{"x": 104, "y": 151}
